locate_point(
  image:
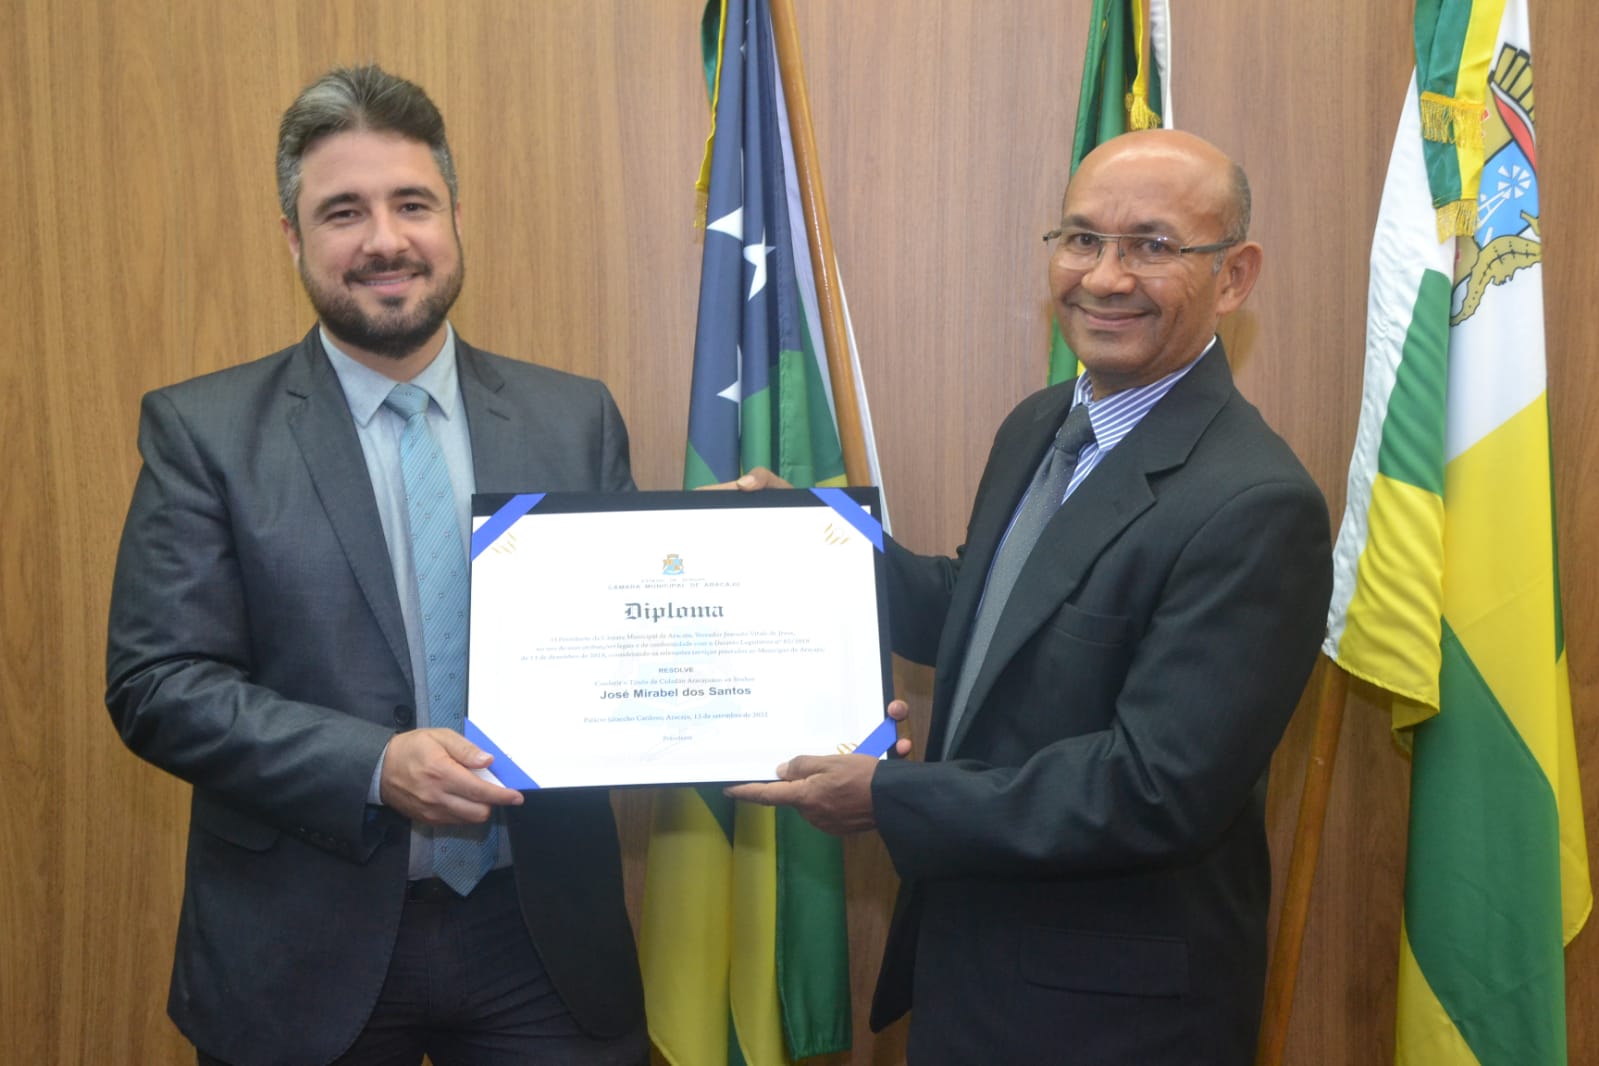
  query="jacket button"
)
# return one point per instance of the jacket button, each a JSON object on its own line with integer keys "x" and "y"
{"x": 404, "y": 716}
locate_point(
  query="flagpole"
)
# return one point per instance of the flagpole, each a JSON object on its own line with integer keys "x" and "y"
{"x": 1295, "y": 910}
{"x": 829, "y": 298}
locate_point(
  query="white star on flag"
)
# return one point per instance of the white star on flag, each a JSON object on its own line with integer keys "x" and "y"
{"x": 730, "y": 224}
{"x": 735, "y": 391}
{"x": 756, "y": 254}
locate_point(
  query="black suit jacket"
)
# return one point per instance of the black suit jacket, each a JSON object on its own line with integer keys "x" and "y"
{"x": 1085, "y": 876}
{"x": 256, "y": 650}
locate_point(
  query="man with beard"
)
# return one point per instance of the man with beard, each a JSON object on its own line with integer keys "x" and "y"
{"x": 287, "y": 634}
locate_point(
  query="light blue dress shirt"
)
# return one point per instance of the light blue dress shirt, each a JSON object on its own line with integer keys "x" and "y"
{"x": 379, "y": 430}
{"x": 1115, "y": 416}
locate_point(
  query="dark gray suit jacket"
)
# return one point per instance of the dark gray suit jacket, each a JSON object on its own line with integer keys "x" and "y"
{"x": 256, "y": 650}
{"x": 1085, "y": 878}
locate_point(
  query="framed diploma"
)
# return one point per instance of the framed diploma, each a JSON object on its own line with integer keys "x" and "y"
{"x": 658, "y": 638}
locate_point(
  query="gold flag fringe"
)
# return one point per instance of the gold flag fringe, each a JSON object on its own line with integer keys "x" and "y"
{"x": 1451, "y": 120}
{"x": 1457, "y": 219}
{"x": 702, "y": 186}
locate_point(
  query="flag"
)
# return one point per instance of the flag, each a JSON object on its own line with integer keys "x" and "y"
{"x": 1446, "y": 586}
{"x": 743, "y": 942}
{"x": 1126, "y": 86}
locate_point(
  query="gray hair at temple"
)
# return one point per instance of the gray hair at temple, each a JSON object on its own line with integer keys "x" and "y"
{"x": 356, "y": 98}
{"x": 1238, "y": 210}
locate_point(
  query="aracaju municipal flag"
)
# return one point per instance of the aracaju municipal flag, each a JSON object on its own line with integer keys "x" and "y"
{"x": 1447, "y": 591}
{"x": 743, "y": 940}
{"x": 1126, "y": 86}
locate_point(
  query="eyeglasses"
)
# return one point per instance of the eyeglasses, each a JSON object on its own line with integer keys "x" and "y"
{"x": 1139, "y": 253}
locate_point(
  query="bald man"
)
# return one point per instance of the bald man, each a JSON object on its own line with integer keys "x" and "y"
{"x": 1118, "y": 646}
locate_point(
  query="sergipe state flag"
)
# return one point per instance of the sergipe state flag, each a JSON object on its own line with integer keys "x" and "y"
{"x": 743, "y": 942}
{"x": 1446, "y": 588}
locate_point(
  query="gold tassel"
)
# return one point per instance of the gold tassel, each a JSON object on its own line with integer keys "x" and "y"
{"x": 1451, "y": 120}
{"x": 1457, "y": 219}
{"x": 1139, "y": 114}
{"x": 702, "y": 186}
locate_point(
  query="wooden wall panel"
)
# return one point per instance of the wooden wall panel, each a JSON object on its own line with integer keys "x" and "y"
{"x": 1315, "y": 135}
{"x": 146, "y": 249}
{"x": 89, "y": 842}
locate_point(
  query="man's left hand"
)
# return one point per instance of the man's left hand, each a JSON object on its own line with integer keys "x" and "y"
{"x": 832, "y": 792}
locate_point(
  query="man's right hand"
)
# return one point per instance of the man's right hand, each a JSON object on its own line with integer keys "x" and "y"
{"x": 430, "y": 775}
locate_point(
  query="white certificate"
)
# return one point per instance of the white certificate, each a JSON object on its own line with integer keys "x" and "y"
{"x": 675, "y": 637}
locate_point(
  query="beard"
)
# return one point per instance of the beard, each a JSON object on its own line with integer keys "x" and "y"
{"x": 392, "y": 332}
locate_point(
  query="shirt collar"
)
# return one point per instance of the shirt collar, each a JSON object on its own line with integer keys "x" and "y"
{"x": 1114, "y": 416}
{"x": 365, "y": 389}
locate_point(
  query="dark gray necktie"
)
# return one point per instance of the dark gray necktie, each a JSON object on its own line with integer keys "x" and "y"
{"x": 461, "y": 854}
{"x": 1043, "y": 499}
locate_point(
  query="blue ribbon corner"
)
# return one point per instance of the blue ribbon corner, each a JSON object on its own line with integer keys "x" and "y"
{"x": 510, "y": 774}
{"x": 498, "y": 522}
{"x": 853, "y": 513}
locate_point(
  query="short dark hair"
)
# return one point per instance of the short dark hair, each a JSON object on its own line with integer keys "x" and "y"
{"x": 356, "y": 98}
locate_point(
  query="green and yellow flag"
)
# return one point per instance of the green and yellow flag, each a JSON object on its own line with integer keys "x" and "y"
{"x": 743, "y": 942}
{"x": 1446, "y": 588}
{"x": 1126, "y": 86}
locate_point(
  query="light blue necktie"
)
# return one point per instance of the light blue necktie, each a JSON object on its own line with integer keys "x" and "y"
{"x": 461, "y": 854}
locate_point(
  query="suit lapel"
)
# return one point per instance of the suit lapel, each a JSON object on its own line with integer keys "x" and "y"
{"x": 505, "y": 458}
{"x": 1107, "y": 501}
{"x": 511, "y": 449}
{"x": 1000, "y": 500}
{"x": 319, "y": 418}
{"x": 999, "y": 496}
{"x": 497, "y": 445}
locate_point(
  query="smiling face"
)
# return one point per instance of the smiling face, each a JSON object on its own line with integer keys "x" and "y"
{"x": 378, "y": 247}
{"x": 1129, "y": 330}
